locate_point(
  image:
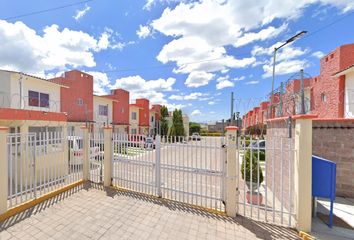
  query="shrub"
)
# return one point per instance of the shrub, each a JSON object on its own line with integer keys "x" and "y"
{"x": 246, "y": 168}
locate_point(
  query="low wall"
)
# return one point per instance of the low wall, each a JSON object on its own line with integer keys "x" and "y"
{"x": 334, "y": 140}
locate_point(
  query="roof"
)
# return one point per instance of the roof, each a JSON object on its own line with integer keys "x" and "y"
{"x": 135, "y": 105}
{"x": 344, "y": 71}
{"x": 106, "y": 98}
{"x": 39, "y": 78}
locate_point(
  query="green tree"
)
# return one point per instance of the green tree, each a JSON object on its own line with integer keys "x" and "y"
{"x": 194, "y": 128}
{"x": 177, "y": 128}
{"x": 164, "y": 123}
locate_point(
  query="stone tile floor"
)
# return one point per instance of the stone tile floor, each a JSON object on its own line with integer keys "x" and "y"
{"x": 95, "y": 213}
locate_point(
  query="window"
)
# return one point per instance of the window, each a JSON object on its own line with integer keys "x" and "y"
{"x": 33, "y": 99}
{"x": 152, "y": 118}
{"x": 122, "y": 110}
{"x": 103, "y": 110}
{"x": 37, "y": 99}
{"x": 80, "y": 102}
{"x": 44, "y": 100}
{"x": 134, "y": 115}
{"x": 133, "y": 131}
{"x": 323, "y": 97}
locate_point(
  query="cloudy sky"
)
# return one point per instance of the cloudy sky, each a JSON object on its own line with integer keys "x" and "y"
{"x": 184, "y": 54}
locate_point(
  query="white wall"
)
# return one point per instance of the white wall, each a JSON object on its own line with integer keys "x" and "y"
{"x": 33, "y": 84}
{"x": 101, "y": 120}
{"x": 349, "y": 95}
{"x": 5, "y": 89}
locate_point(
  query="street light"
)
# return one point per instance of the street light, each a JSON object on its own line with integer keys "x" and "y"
{"x": 292, "y": 39}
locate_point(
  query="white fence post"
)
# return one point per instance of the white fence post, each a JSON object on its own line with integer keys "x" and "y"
{"x": 4, "y": 168}
{"x": 303, "y": 172}
{"x": 108, "y": 161}
{"x": 231, "y": 171}
{"x": 158, "y": 165}
{"x": 86, "y": 153}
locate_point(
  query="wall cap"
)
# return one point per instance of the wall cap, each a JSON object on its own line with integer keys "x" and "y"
{"x": 107, "y": 127}
{"x": 231, "y": 128}
{"x": 3, "y": 128}
{"x": 295, "y": 117}
{"x": 334, "y": 119}
{"x": 84, "y": 127}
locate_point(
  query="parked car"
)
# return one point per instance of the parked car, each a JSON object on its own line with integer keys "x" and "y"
{"x": 258, "y": 144}
{"x": 76, "y": 151}
{"x": 149, "y": 143}
{"x": 196, "y": 137}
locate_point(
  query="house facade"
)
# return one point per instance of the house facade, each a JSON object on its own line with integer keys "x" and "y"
{"x": 120, "y": 113}
{"x": 134, "y": 112}
{"x": 30, "y": 104}
{"x": 328, "y": 95}
{"x": 144, "y": 115}
{"x": 103, "y": 112}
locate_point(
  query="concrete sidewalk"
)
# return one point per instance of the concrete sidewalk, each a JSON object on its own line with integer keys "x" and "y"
{"x": 93, "y": 213}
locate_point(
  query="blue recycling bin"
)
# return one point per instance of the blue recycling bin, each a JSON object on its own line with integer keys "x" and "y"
{"x": 324, "y": 181}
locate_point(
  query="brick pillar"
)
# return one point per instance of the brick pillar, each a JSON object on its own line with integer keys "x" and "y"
{"x": 107, "y": 181}
{"x": 4, "y": 171}
{"x": 303, "y": 172}
{"x": 231, "y": 170}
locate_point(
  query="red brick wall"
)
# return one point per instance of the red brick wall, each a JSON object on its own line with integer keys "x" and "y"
{"x": 80, "y": 86}
{"x": 120, "y": 108}
{"x": 334, "y": 140}
{"x": 144, "y": 111}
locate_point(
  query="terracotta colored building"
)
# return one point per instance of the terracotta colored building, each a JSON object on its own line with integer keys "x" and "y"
{"x": 77, "y": 99}
{"x": 144, "y": 115}
{"x": 120, "y": 110}
{"x": 155, "y": 117}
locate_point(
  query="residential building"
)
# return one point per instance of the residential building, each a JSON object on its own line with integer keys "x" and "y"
{"x": 134, "y": 112}
{"x": 30, "y": 104}
{"x": 155, "y": 116}
{"x": 76, "y": 99}
{"x": 328, "y": 95}
{"x": 185, "y": 119}
{"x": 144, "y": 115}
{"x": 121, "y": 115}
{"x": 103, "y": 111}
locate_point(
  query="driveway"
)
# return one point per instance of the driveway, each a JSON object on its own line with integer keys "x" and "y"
{"x": 96, "y": 213}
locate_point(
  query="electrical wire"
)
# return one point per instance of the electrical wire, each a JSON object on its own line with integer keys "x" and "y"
{"x": 46, "y": 10}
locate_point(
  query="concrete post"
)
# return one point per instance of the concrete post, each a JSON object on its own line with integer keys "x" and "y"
{"x": 4, "y": 171}
{"x": 86, "y": 153}
{"x": 303, "y": 172}
{"x": 107, "y": 181}
{"x": 231, "y": 171}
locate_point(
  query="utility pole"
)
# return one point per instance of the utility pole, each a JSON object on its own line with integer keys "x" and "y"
{"x": 232, "y": 109}
{"x": 303, "y": 111}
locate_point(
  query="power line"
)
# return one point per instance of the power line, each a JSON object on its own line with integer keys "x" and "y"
{"x": 46, "y": 10}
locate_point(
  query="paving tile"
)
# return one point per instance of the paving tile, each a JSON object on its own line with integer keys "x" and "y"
{"x": 98, "y": 214}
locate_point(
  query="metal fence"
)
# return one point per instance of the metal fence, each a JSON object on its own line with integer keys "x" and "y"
{"x": 266, "y": 179}
{"x": 96, "y": 157}
{"x": 39, "y": 163}
{"x": 176, "y": 168}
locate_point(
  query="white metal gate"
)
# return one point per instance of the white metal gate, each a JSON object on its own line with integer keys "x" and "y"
{"x": 266, "y": 193}
{"x": 176, "y": 168}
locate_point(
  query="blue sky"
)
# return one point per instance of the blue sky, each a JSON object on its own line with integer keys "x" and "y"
{"x": 185, "y": 54}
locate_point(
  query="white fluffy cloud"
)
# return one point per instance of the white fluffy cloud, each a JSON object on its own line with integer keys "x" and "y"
{"x": 203, "y": 29}
{"x": 192, "y": 96}
{"x": 224, "y": 82}
{"x": 141, "y": 88}
{"x": 23, "y": 49}
{"x": 143, "y": 31}
{"x": 252, "y": 82}
{"x": 101, "y": 82}
{"x": 80, "y": 13}
{"x": 318, "y": 54}
{"x": 196, "y": 112}
{"x": 286, "y": 59}
{"x": 198, "y": 79}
